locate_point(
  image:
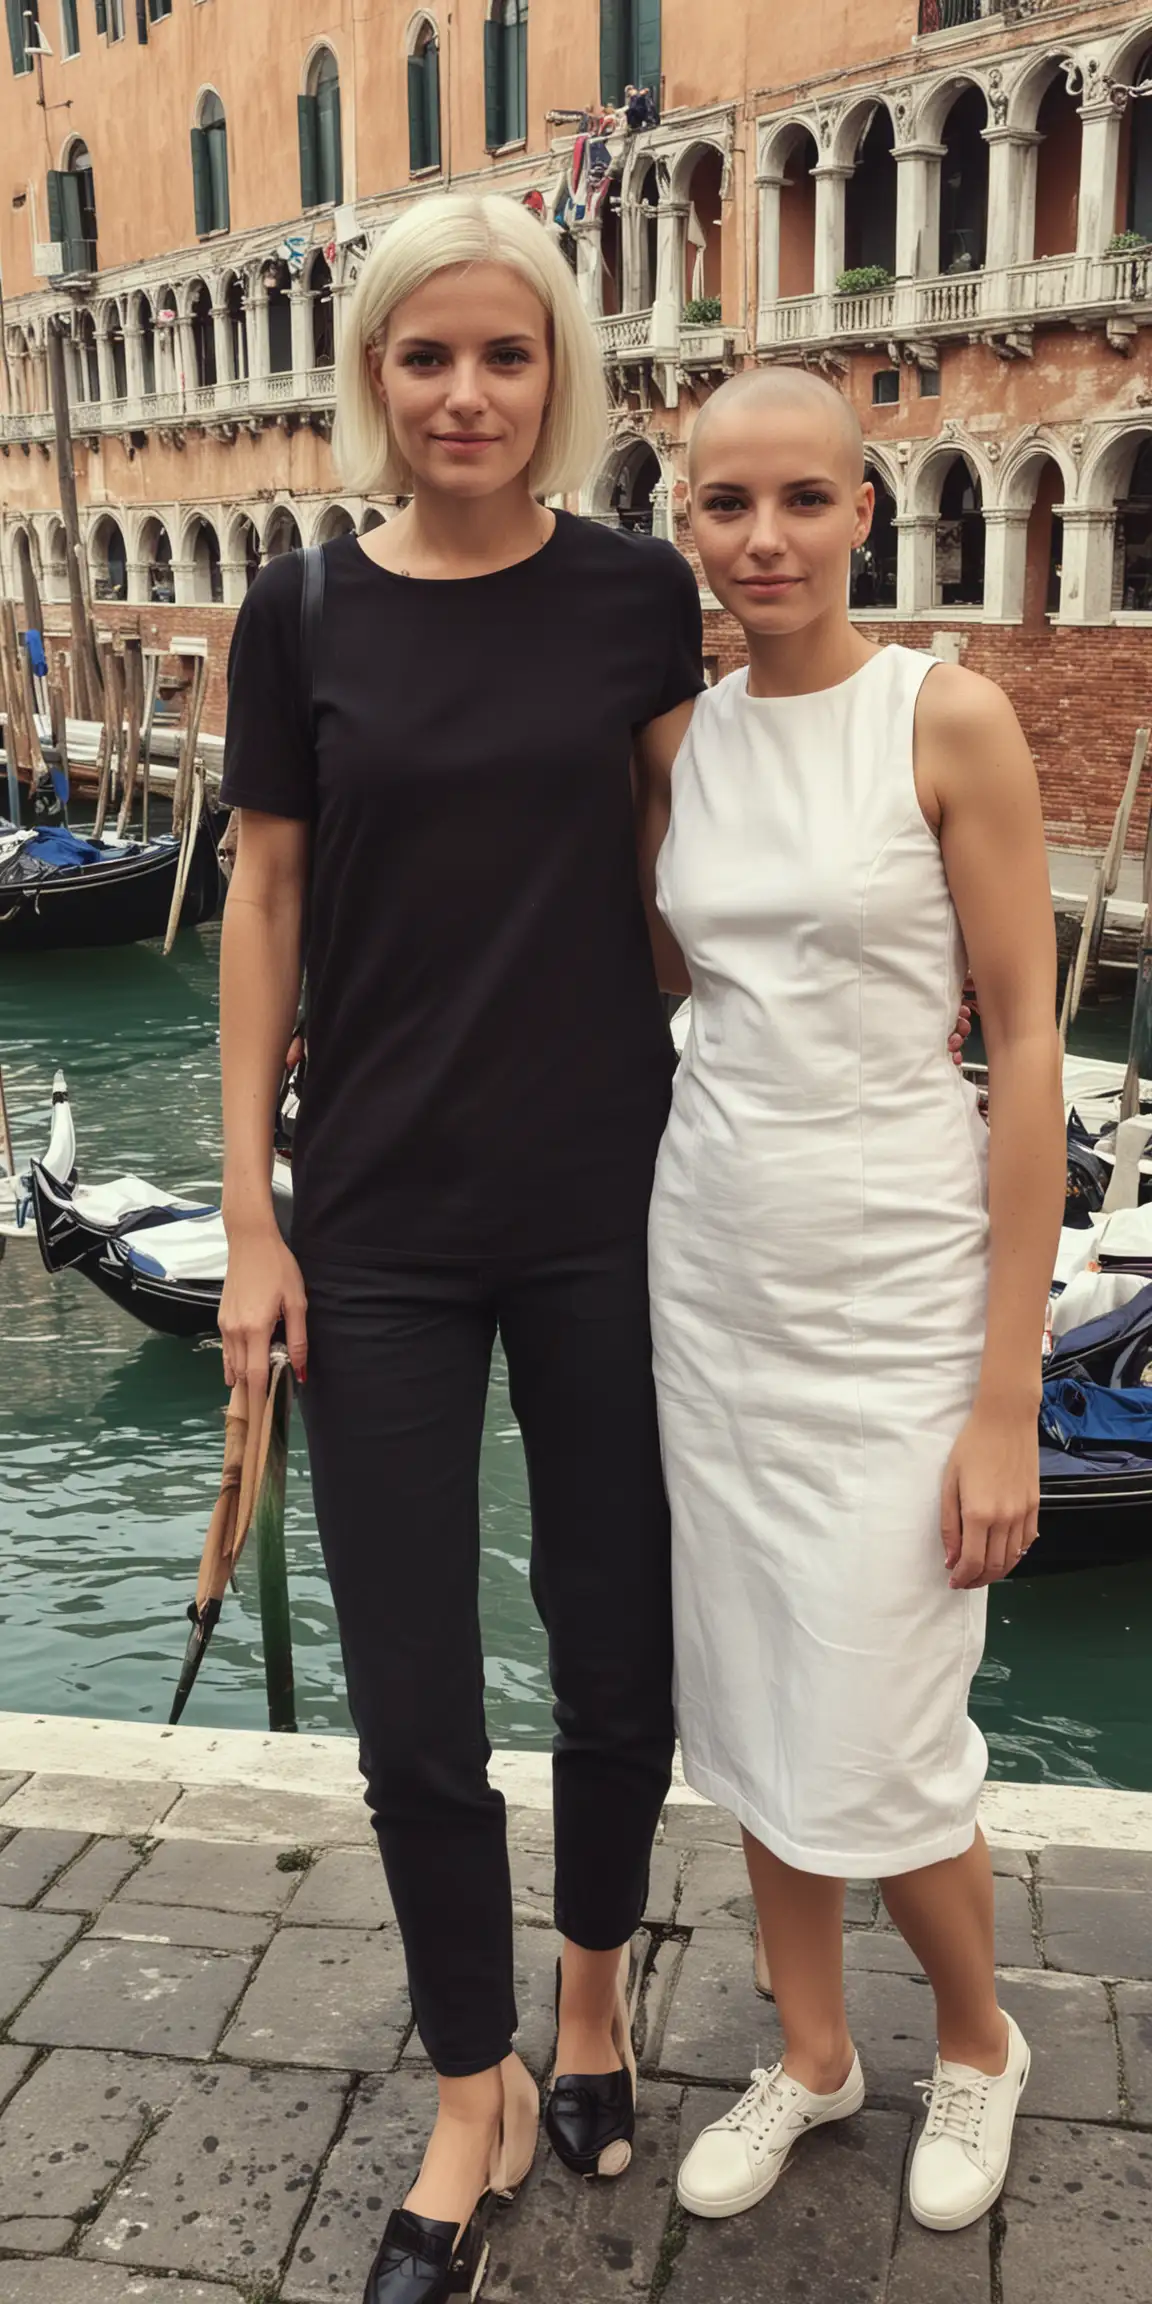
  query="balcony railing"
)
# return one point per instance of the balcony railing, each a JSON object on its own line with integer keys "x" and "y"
{"x": 946, "y": 15}
{"x": 303, "y": 389}
{"x": 959, "y": 302}
{"x": 625, "y": 333}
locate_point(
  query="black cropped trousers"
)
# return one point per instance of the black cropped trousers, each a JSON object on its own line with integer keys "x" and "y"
{"x": 398, "y": 1366}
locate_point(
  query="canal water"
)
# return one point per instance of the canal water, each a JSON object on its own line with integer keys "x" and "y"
{"x": 110, "y": 1443}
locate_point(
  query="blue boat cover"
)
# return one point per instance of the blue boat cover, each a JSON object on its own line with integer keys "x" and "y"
{"x": 1077, "y": 1415}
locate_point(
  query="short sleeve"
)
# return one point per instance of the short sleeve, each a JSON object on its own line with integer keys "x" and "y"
{"x": 682, "y": 634}
{"x": 269, "y": 758}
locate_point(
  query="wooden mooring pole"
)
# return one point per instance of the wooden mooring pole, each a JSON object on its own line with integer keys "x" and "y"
{"x": 272, "y": 1569}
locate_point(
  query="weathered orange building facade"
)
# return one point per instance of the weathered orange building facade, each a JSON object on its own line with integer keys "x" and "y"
{"x": 944, "y": 205}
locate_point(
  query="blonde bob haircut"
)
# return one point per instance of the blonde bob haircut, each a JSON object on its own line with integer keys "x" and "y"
{"x": 449, "y": 228}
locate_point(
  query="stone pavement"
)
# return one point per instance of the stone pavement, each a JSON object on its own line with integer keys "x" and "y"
{"x": 210, "y": 2091}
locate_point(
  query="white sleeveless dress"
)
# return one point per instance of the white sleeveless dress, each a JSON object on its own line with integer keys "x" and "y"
{"x": 819, "y": 1249}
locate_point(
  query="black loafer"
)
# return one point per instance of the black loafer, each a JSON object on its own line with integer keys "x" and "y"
{"x": 591, "y": 2120}
{"x": 421, "y": 2261}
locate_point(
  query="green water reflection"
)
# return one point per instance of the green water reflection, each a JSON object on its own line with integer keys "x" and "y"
{"x": 110, "y": 1441}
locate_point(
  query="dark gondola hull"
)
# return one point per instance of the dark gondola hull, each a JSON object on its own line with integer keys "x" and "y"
{"x": 1099, "y": 1524}
{"x": 126, "y": 902}
{"x": 168, "y": 1307}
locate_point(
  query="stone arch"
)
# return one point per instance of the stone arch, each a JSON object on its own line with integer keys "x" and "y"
{"x": 622, "y": 491}
{"x": 282, "y": 532}
{"x": 156, "y": 562}
{"x": 698, "y": 179}
{"x": 334, "y": 520}
{"x": 1108, "y": 465}
{"x": 202, "y": 558}
{"x": 234, "y": 293}
{"x": 1118, "y": 60}
{"x": 1020, "y": 468}
{"x": 791, "y": 153}
{"x": 322, "y": 310}
{"x": 938, "y": 96}
{"x": 873, "y": 581}
{"x": 55, "y": 559}
{"x": 26, "y": 573}
{"x": 199, "y": 307}
{"x": 928, "y": 468}
{"x": 867, "y": 138}
{"x": 108, "y": 558}
{"x": 854, "y": 123}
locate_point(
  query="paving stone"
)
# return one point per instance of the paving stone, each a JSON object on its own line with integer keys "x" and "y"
{"x": 1010, "y": 1863}
{"x": 939, "y": 2267}
{"x": 90, "y": 1804}
{"x": 1096, "y": 1868}
{"x": 689, "y": 1825}
{"x": 334, "y": 1997}
{"x": 658, "y": 1991}
{"x": 537, "y": 1951}
{"x": 1078, "y": 2211}
{"x": 94, "y": 1877}
{"x": 219, "y": 2188}
{"x": 1096, "y": 1931}
{"x": 219, "y": 1879}
{"x": 825, "y": 2231}
{"x": 9, "y": 1785}
{"x": 344, "y": 1889}
{"x": 1134, "y": 2010}
{"x": 154, "y": 1999}
{"x": 1066, "y": 2023}
{"x": 717, "y": 2022}
{"x": 175, "y": 1924}
{"x": 289, "y": 1819}
{"x": 893, "y": 2021}
{"x": 663, "y": 1885}
{"x": 530, "y": 1828}
{"x": 31, "y": 1859}
{"x": 370, "y": 2170}
{"x": 71, "y": 2283}
{"x": 880, "y": 1950}
{"x": 29, "y": 1943}
{"x": 1015, "y": 1942}
{"x": 563, "y": 2242}
{"x": 716, "y": 1892}
{"x": 14, "y": 2063}
{"x": 34, "y": 2235}
{"x": 533, "y": 1881}
{"x": 73, "y": 2125}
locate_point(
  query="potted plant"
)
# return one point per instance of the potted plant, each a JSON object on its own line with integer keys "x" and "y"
{"x": 860, "y": 279}
{"x": 702, "y": 312}
{"x": 1127, "y": 243}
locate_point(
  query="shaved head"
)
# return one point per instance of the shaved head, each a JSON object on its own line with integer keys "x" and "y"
{"x": 757, "y": 394}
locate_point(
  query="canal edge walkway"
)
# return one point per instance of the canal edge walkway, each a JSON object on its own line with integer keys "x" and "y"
{"x": 211, "y": 2091}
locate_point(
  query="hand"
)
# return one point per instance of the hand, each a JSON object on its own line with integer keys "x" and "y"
{"x": 264, "y": 1285}
{"x": 991, "y": 1494}
{"x": 963, "y": 1024}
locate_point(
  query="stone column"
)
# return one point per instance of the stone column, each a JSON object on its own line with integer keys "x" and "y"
{"x": 1099, "y": 161}
{"x": 829, "y": 177}
{"x": 918, "y": 210}
{"x": 1005, "y": 559}
{"x": 589, "y": 265}
{"x": 184, "y": 579}
{"x": 1089, "y": 543}
{"x": 915, "y": 562}
{"x": 1011, "y": 196}
{"x": 301, "y": 302}
{"x": 662, "y": 523}
{"x": 222, "y": 334}
{"x": 138, "y": 582}
{"x": 234, "y": 577}
{"x": 668, "y": 303}
{"x": 770, "y": 187}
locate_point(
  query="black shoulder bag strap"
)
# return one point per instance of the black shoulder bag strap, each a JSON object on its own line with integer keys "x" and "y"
{"x": 311, "y": 617}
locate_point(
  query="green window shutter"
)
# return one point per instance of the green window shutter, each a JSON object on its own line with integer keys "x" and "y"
{"x": 309, "y": 151}
{"x": 417, "y": 117}
{"x": 142, "y": 22}
{"x": 218, "y": 165}
{"x": 71, "y": 221}
{"x": 520, "y": 36}
{"x": 493, "y": 85}
{"x": 102, "y": 16}
{"x": 645, "y": 72}
{"x": 330, "y": 172}
{"x": 613, "y": 20}
{"x": 201, "y": 181}
{"x": 432, "y": 103}
{"x": 70, "y": 13}
{"x": 56, "y": 183}
{"x": 15, "y": 12}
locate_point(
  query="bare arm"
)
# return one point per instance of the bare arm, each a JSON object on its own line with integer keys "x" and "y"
{"x": 656, "y": 749}
{"x": 976, "y": 778}
{"x": 260, "y": 960}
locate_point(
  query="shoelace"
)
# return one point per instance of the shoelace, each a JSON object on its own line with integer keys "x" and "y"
{"x": 956, "y": 2107}
{"x": 760, "y": 2105}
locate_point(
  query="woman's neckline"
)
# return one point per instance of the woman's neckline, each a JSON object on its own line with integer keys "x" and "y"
{"x": 449, "y": 583}
{"x": 810, "y": 695}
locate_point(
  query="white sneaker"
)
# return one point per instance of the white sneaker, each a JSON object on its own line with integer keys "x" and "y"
{"x": 736, "y": 2161}
{"x": 961, "y": 2156}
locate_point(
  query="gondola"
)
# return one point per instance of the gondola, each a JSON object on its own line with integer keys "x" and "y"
{"x": 162, "y": 1258}
{"x": 60, "y": 893}
{"x": 16, "y": 1218}
{"x": 1096, "y": 1501}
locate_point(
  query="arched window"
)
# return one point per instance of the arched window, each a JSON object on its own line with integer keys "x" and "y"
{"x": 424, "y": 99}
{"x": 207, "y": 575}
{"x": 632, "y": 489}
{"x": 246, "y": 545}
{"x": 119, "y": 352}
{"x": 703, "y": 253}
{"x": 336, "y": 521}
{"x": 629, "y": 48}
{"x": 109, "y": 563}
{"x": 1057, "y": 170}
{"x": 1138, "y": 122}
{"x": 321, "y": 139}
{"x": 283, "y": 534}
{"x": 506, "y": 74}
{"x": 960, "y": 540}
{"x": 165, "y": 341}
{"x": 236, "y": 307}
{"x": 798, "y": 217}
{"x": 323, "y": 314}
{"x": 72, "y": 211}
{"x": 277, "y": 286}
{"x": 870, "y": 198}
{"x": 1134, "y": 536}
{"x": 1044, "y": 548}
{"x": 159, "y": 575}
{"x": 210, "y": 167}
{"x": 873, "y": 580}
{"x": 203, "y": 334}
{"x": 56, "y": 562}
{"x": 649, "y": 237}
{"x": 88, "y": 362}
{"x": 964, "y": 185}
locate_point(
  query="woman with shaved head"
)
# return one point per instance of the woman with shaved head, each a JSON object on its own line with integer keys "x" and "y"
{"x": 848, "y": 1273}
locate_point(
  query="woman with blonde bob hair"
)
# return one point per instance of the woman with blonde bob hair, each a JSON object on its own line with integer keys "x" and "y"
{"x": 447, "y": 778}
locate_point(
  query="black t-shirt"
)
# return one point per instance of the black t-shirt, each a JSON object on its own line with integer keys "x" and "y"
{"x": 488, "y": 1062}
